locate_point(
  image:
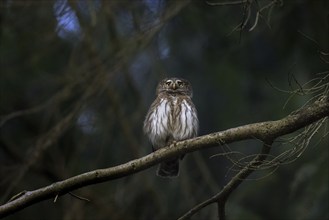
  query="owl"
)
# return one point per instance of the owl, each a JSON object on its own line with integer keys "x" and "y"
{"x": 171, "y": 117}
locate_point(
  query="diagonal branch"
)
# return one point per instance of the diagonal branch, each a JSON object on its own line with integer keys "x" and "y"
{"x": 264, "y": 131}
{"x": 221, "y": 197}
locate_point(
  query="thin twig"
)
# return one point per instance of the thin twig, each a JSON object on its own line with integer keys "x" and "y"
{"x": 226, "y": 3}
{"x": 223, "y": 195}
{"x": 79, "y": 197}
{"x": 259, "y": 14}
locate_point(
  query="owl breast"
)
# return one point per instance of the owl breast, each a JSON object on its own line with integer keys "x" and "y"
{"x": 173, "y": 118}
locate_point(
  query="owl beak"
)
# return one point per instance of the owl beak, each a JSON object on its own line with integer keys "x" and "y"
{"x": 174, "y": 86}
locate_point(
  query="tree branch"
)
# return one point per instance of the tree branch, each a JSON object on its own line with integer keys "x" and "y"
{"x": 221, "y": 197}
{"x": 264, "y": 131}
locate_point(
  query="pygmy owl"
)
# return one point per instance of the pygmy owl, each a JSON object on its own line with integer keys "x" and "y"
{"x": 171, "y": 117}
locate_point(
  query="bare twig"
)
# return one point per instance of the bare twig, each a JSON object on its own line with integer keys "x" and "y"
{"x": 16, "y": 114}
{"x": 247, "y": 12}
{"x": 226, "y": 3}
{"x": 322, "y": 54}
{"x": 79, "y": 197}
{"x": 222, "y": 196}
{"x": 269, "y": 5}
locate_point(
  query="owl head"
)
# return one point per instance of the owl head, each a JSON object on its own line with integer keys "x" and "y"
{"x": 175, "y": 86}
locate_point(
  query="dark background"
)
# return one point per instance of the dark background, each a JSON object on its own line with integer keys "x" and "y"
{"x": 77, "y": 78}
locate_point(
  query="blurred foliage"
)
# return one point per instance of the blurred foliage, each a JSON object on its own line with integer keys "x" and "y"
{"x": 78, "y": 76}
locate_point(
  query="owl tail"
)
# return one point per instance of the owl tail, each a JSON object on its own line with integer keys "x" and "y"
{"x": 169, "y": 168}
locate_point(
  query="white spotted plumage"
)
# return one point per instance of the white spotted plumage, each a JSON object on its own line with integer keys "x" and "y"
{"x": 168, "y": 119}
{"x": 172, "y": 117}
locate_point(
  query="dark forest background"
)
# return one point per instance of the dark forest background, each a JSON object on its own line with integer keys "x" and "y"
{"x": 77, "y": 77}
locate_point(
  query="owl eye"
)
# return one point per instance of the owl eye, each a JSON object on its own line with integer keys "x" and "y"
{"x": 179, "y": 83}
{"x": 168, "y": 83}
